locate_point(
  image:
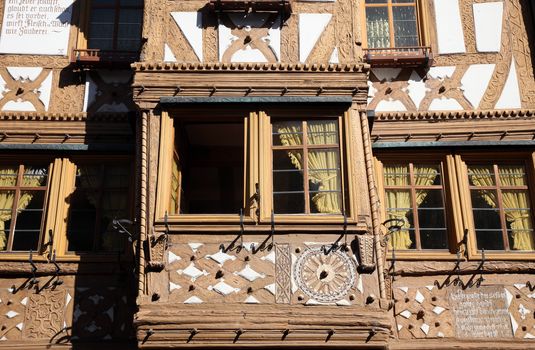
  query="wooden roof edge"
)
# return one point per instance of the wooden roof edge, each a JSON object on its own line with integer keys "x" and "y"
{"x": 59, "y": 116}
{"x": 252, "y": 66}
{"x": 455, "y": 115}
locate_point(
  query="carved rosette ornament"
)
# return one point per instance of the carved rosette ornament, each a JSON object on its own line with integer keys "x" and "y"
{"x": 324, "y": 277}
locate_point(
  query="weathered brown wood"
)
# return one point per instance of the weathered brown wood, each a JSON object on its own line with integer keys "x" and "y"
{"x": 415, "y": 268}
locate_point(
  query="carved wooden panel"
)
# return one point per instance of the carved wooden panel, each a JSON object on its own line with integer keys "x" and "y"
{"x": 45, "y": 316}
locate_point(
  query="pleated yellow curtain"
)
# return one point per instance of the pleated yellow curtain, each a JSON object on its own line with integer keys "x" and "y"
{"x": 6, "y": 200}
{"x": 516, "y": 205}
{"x": 483, "y": 176}
{"x": 325, "y": 133}
{"x": 398, "y": 175}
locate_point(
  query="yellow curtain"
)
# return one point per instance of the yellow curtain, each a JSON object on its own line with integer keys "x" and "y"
{"x": 175, "y": 185}
{"x": 513, "y": 202}
{"x": 34, "y": 179}
{"x": 483, "y": 176}
{"x": 325, "y": 133}
{"x": 320, "y": 133}
{"x": 398, "y": 175}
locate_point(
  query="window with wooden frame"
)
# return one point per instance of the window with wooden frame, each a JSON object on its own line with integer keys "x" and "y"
{"x": 101, "y": 194}
{"x": 470, "y": 201}
{"x": 110, "y": 32}
{"x": 392, "y": 23}
{"x": 63, "y": 206}
{"x": 115, "y": 25}
{"x": 501, "y": 206}
{"x": 259, "y": 164}
{"x": 23, "y": 193}
{"x": 414, "y": 194}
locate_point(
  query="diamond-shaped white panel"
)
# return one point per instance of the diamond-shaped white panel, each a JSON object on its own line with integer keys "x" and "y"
{"x": 270, "y": 288}
{"x": 220, "y": 257}
{"x": 193, "y": 300}
{"x": 251, "y": 300}
{"x": 406, "y": 313}
{"x": 249, "y": 274}
{"x": 11, "y": 314}
{"x": 419, "y": 297}
{"x": 192, "y": 272}
{"x": 270, "y": 257}
{"x": 223, "y": 288}
{"x": 425, "y": 328}
{"x": 438, "y": 310}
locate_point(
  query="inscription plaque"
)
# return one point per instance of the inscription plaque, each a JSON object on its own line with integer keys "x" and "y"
{"x": 480, "y": 312}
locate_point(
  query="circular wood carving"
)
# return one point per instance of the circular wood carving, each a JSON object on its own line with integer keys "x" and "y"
{"x": 325, "y": 277}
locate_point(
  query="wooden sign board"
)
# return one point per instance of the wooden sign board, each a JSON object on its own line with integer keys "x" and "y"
{"x": 480, "y": 312}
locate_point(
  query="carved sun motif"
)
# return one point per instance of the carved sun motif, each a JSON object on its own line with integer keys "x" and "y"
{"x": 325, "y": 277}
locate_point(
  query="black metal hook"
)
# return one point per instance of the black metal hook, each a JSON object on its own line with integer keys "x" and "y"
{"x": 34, "y": 280}
{"x": 57, "y": 281}
{"x": 262, "y": 247}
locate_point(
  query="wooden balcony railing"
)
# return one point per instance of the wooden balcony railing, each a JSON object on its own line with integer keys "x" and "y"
{"x": 97, "y": 57}
{"x": 253, "y": 6}
{"x": 413, "y": 56}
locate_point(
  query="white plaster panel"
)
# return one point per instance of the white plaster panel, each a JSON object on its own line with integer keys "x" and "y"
{"x": 274, "y": 39}
{"x": 510, "y": 97}
{"x": 2, "y": 87}
{"x": 390, "y": 106}
{"x": 475, "y": 81}
{"x": 190, "y": 23}
{"x": 45, "y": 90}
{"x": 168, "y": 55}
{"x": 90, "y": 93}
{"x": 445, "y": 104}
{"x": 248, "y": 55}
{"x": 22, "y": 106}
{"x": 449, "y": 27}
{"x": 225, "y": 39}
{"x": 36, "y": 27}
{"x": 441, "y": 72}
{"x": 24, "y": 73}
{"x": 386, "y": 74}
{"x": 371, "y": 91}
{"x": 311, "y": 26}
{"x": 416, "y": 89}
{"x": 488, "y": 18}
{"x": 334, "y": 56}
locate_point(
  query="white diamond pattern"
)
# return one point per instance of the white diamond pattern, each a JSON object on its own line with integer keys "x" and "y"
{"x": 11, "y": 314}
{"x": 223, "y": 288}
{"x": 192, "y": 272}
{"x": 249, "y": 274}
{"x": 220, "y": 257}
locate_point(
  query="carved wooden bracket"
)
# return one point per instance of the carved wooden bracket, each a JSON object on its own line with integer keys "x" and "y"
{"x": 366, "y": 255}
{"x": 157, "y": 247}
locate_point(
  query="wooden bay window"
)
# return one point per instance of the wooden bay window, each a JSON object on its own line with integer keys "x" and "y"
{"x": 287, "y": 164}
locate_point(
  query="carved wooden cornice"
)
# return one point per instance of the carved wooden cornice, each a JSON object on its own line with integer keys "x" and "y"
{"x": 277, "y": 67}
{"x": 64, "y": 117}
{"x": 163, "y": 325}
{"x": 153, "y": 80}
{"x": 455, "y": 115}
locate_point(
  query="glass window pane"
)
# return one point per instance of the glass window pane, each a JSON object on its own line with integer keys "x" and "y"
{"x": 434, "y": 238}
{"x": 489, "y": 240}
{"x": 377, "y": 27}
{"x": 81, "y": 221}
{"x": 376, "y": 1}
{"x": 429, "y": 199}
{"x": 396, "y": 175}
{"x": 35, "y": 176}
{"x": 287, "y": 160}
{"x": 29, "y": 219}
{"x": 131, "y": 2}
{"x": 427, "y": 175}
{"x": 405, "y": 28}
{"x": 521, "y": 239}
{"x": 325, "y": 202}
{"x": 403, "y": 1}
{"x": 6, "y": 209}
{"x": 288, "y": 181}
{"x": 511, "y": 175}
{"x": 431, "y": 218}
{"x": 116, "y": 176}
{"x": 322, "y": 132}
{"x": 88, "y": 177}
{"x": 287, "y": 133}
{"x": 479, "y": 175}
{"x": 289, "y": 203}
{"x": 8, "y": 176}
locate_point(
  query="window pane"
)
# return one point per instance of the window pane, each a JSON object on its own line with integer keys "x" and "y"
{"x": 131, "y": 2}
{"x": 427, "y": 175}
{"x": 129, "y": 31}
{"x": 322, "y": 132}
{"x": 377, "y": 27}
{"x": 101, "y": 29}
{"x": 396, "y": 175}
{"x": 82, "y": 220}
{"x": 29, "y": 218}
{"x": 6, "y": 208}
{"x": 489, "y": 239}
{"x": 287, "y": 160}
{"x": 35, "y": 176}
{"x": 405, "y": 29}
{"x": 434, "y": 238}
{"x": 288, "y": 181}
{"x": 481, "y": 175}
{"x": 512, "y": 175}
{"x": 403, "y": 1}
{"x": 116, "y": 176}
{"x": 376, "y": 1}
{"x": 288, "y": 133}
{"x": 8, "y": 176}
{"x": 289, "y": 203}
